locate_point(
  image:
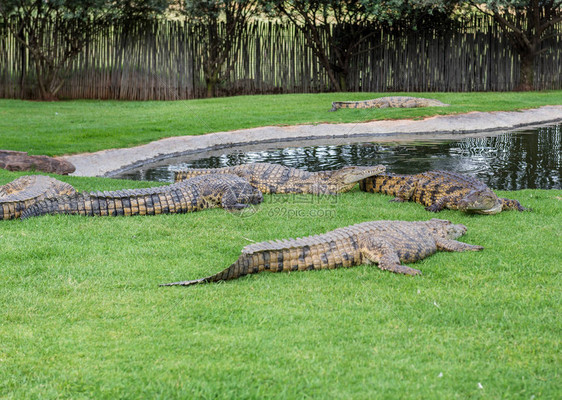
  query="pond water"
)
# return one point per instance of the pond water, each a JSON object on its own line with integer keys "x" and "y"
{"x": 529, "y": 159}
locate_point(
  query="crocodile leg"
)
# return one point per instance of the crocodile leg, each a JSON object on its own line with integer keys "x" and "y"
{"x": 406, "y": 191}
{"x": 323, "y": 188}
{"x": 229, "y": 201}
{"x": 510, "y": 204}
{"x": 453, "y": 245}
{"x": 378, "y": 250}
{"x": 238, "y": 199}
{"x": 439, "y": 205}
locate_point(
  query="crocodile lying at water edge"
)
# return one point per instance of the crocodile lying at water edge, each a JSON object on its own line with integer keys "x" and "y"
{"x": 27, "y": 190}
{"x": 389, "y": 102}
{"x": 227, "y": 191}
{"x": 387, "y": 243}
{"x": 441, "y": 189}
{"x": 275, "y": 178}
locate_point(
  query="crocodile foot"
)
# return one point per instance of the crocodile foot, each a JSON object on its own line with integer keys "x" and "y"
{"x": 434, "y": 208}
{"x": 401, "y": 269}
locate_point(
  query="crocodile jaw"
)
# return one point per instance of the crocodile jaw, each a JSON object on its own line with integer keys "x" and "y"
{"x": 480, "y": 202}
{"x": 355, "y": 174}
{"x": 445, "y": 228}
{"x": 497, "y": 208}
{"x": 455, "y": 231}
{"x": 483, "y": 207}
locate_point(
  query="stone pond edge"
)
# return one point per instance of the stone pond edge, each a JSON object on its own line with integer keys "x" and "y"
{"x": 113, "y": 161}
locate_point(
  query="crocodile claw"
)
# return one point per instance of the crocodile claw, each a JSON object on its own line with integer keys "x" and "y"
{"x": 237, "y": 206}
{"x": 433, "y": 208}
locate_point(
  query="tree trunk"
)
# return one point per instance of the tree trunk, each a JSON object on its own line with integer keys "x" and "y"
{"x": 211, "y": 82}
{"x": 526, "y": 71}
{"x": 210, "y": 89}
{"x": 343, "y": 81}
{"x": 44, "y": 87}
{"x": 325, "y": 63}
{"x": 46, "y": 95}
{"x": 333, "y": 77}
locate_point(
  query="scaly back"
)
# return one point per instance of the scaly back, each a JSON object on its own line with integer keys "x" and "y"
{"x": 406, "y": 229}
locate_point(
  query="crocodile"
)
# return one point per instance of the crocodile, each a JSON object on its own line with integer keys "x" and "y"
{"x": 389, "y": 102}
{"x": 227, "y": 191}
{"x": 27, "y": 190}
{"x": 275, "y": 178}
{"x": 441, "y": 189}
{"x": 386, "y": 243}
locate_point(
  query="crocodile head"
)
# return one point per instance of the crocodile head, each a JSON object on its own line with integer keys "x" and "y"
{"x": 480, "y": 202}
{"x": 352, "y": 174}
{"x": 445, "y": 229}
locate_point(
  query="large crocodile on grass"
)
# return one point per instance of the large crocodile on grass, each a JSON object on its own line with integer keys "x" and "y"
{"x": 227, "y": 191}
{"x": 441, "y": 189}
{"x": 386, "y": 243}
{"x": 389, "y": 102}
{"x": 275, "y": 178}
{"x": 27, "y": 190}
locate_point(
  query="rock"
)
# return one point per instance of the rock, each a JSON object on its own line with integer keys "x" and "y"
{"x": 21, "y": 161}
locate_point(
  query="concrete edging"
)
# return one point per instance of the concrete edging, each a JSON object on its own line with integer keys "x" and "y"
{"x": 108, "y": 162}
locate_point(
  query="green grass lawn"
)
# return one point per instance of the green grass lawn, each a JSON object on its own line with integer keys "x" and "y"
{"x": 82, "y": 316}
{"x": 68, "y": 127}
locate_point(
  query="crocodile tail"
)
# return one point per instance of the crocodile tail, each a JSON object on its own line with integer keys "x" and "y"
{"x": 73, "y": 204}
{"x": 11, "y": 209}
{"x": 242, "y": 266}
{"x": 388, "y": 184}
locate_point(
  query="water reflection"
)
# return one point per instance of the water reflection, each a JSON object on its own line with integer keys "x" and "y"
{"x": 526, "y": 159}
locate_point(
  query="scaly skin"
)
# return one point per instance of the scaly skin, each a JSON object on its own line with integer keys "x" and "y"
{"x": 388, "y": 102}
{"x": 441, "y": 189}
{"x": 27, "y": 190}
{"x": 227, "y": 191}
{"x": 274, "y": 178}
{"x": 386, "y": 243}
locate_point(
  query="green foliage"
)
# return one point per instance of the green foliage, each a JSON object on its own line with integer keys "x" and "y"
{"x": 346, "y": 25}
{"x": 224, "y": 22}
{"x": 209, "y": 9}
{"x": 82, "y": 315}
{"x": 56, "y": 31}
{"x": 414, "y": 14}
{"x": 84, "y": 126}
{"x": 527, "y": 24}
{"x": 103, "y": 11}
